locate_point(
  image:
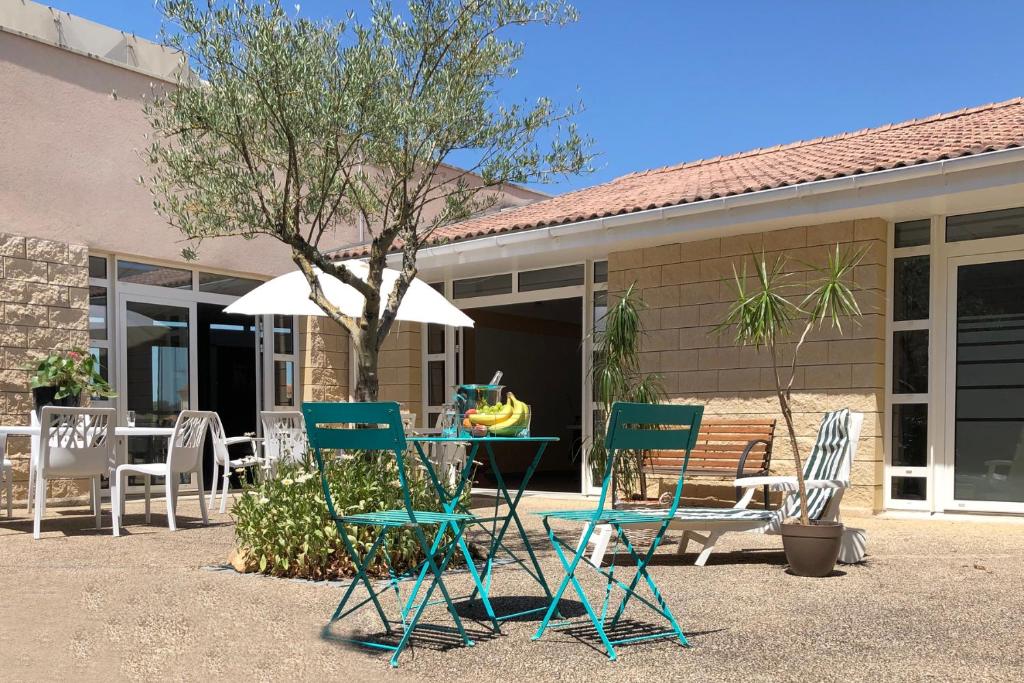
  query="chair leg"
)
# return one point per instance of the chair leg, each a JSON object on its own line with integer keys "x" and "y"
{"x": 202, "y": 498}
{"x": 684, "y": 541}
{"x": 213, "y": 482}
{"x": 148, "y": 487}
{"x": 116, "y": 501}
{"x": 224, "y": 490}
{"x": 40, "y": 484}
{"x": 31, "y": 484}
{"x": 709, "y": 547}
{"x": 171, "y": 486}
{"x": 97, "y": 502}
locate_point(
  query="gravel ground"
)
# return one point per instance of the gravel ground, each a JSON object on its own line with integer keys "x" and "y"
{"x": 935, "y": 601}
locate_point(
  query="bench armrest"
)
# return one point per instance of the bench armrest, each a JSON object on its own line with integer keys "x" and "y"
{"x": 746, "y": 452}
{"x": 775, "y": 483}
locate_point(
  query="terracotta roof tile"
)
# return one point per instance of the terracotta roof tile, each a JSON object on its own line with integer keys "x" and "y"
{"x": 965, "y": 132}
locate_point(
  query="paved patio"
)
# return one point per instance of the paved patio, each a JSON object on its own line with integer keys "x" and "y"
{"x": 938, "y": 600}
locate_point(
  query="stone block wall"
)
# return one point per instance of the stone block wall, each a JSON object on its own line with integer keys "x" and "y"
{"x": 688, "y": 287}
{"x": 326, "y": 369}
{"x": 44, "y": 295}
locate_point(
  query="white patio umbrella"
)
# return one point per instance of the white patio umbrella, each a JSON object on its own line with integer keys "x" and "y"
{"x": 289, "y": 295}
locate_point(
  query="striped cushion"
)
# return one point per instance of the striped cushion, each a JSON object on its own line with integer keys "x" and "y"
{"x": 723, "y": 513}
{"x": 825, "y": 462}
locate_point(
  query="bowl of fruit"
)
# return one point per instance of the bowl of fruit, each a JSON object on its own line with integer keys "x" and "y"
{"x": 483, "y": 412}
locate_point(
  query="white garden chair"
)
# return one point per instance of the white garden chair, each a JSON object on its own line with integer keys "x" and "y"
{"x": 74, "y": 443}
{"x": 826, "y": 475}
{"x": 284, "y": 437}
{"x": 184, "y": 456}
{"x": 7, "y": 475}
{"x": 222, "y": 459}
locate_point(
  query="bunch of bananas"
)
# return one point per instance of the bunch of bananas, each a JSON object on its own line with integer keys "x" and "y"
{"x": 507, "y": 419}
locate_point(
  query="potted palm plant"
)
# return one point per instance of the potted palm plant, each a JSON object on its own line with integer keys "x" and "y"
{"x": 616, "y": 376}
{"x": 767, "y": 312}
{"x": 61, "y": 378}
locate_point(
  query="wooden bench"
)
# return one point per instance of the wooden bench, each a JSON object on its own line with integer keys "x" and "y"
{"x": 725, "y": 448}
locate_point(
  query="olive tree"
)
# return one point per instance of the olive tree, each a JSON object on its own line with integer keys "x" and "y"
{"x": 284, "y": 126}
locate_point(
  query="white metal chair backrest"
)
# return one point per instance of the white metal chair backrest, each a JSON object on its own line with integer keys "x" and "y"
{"x": 76, "y": 441}
{"x": 186, "y": 449}
{"x": 284, "y": 435}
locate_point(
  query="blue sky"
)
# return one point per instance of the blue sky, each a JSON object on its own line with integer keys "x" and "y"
{"x": 668, "y": 81}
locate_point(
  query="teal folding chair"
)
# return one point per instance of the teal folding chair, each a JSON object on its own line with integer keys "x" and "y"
{"x": 333, "y": 426}
{"x": 631, "y": 427}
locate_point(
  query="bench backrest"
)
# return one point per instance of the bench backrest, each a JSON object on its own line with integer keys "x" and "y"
{"x": 720, "y": 446}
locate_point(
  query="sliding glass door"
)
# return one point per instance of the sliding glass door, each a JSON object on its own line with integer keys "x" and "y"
{"x": 157, "y": 368}
{"x": 985, "y": 416}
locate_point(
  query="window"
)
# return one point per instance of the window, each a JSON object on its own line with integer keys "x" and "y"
{"x": 976, "y": 226}
{"x": 100, "y": 306}
{"x": 600, "y": 271}
{"x": 548, "y": 278}
{"x": 215, "y": 283}
{"x": 912, "y": 233}
{"x": 153, "y": 275}
{"x": 285, "y": 360}
{"x": 482, "y": 286}
{"x": 908, "y": 399}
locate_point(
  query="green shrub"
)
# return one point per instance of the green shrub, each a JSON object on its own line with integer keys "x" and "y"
{"x": 283, "y": 527}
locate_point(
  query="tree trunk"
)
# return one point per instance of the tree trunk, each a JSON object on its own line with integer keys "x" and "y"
{"x": 787, "y": 415}
{"x": 367, "y": 379}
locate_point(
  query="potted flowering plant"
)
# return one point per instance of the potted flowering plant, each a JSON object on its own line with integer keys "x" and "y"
{"x": 61, "y": 379}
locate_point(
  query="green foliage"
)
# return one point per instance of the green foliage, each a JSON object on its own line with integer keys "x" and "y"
{"x": 283, "y": 527}
{"x": 74, "y": 372}
{"x": 766, "y": 311}
{"x": 288, "y": 127}
{"x": 616, "y": 376}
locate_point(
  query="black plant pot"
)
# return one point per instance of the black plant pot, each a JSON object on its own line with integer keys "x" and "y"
{"x": 46, "y": 396}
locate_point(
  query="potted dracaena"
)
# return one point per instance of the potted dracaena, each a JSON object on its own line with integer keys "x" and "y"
{"x": 768, "y": 313}
{"x": 61, "y": 378}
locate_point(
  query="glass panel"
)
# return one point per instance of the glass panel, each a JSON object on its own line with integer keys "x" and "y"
{"x": 226, "y": 284}
{"x": 975, "y": 226}
{"x": 157, "y": 276}
{"x": 913, "y": 233}
{"x": 157, "y": 380}
{"x": 438, "y": 287}
{"x": 909, "y": 435}
{"x": 97, "y": 312}
{"x": 600, "y": 310}
{"x": 432, "y": 419}
{"x": 435, "y": 383}
{"x": 98, "y": 266}
{"x": 563, "y": 276}
{"x": 435, "y": 338}
{"x": 102, "y": 357}
{"x": 482, "y": 286}
{"x": 284, "y": 383}
{"x": 600, "y": 271}
{"x": 910, "y": 362}
{"x": 284, "y": 334}
{"x": 910, "y": 488}
{"x": 910, "y": 295}
{"x": 989, "y": 443}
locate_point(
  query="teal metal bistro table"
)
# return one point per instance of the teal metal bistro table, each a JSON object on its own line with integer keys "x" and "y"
{"x": 450, "y": 500}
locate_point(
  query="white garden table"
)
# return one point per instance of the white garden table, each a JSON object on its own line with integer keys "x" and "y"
{"x": 122, "y": 434}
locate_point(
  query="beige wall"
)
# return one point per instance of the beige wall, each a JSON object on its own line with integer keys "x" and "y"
{"x": 687, "y": 287}
{"x": 44, "y": 295}
{"x": 326, "y": 371}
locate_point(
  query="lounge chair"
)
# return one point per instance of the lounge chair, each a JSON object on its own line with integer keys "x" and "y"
{"x": 826, "y": 474}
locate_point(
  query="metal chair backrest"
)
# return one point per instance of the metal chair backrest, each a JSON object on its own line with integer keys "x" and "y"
{"x": 648, "y": 427}
{"x": 284, "y": 435}
{"x": 186, "y": 449}
{"x": 356, "y": 426}
{"x": 76, "y": 442}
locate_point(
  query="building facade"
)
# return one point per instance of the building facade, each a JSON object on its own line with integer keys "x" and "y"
{"x": 934, "y": 203}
